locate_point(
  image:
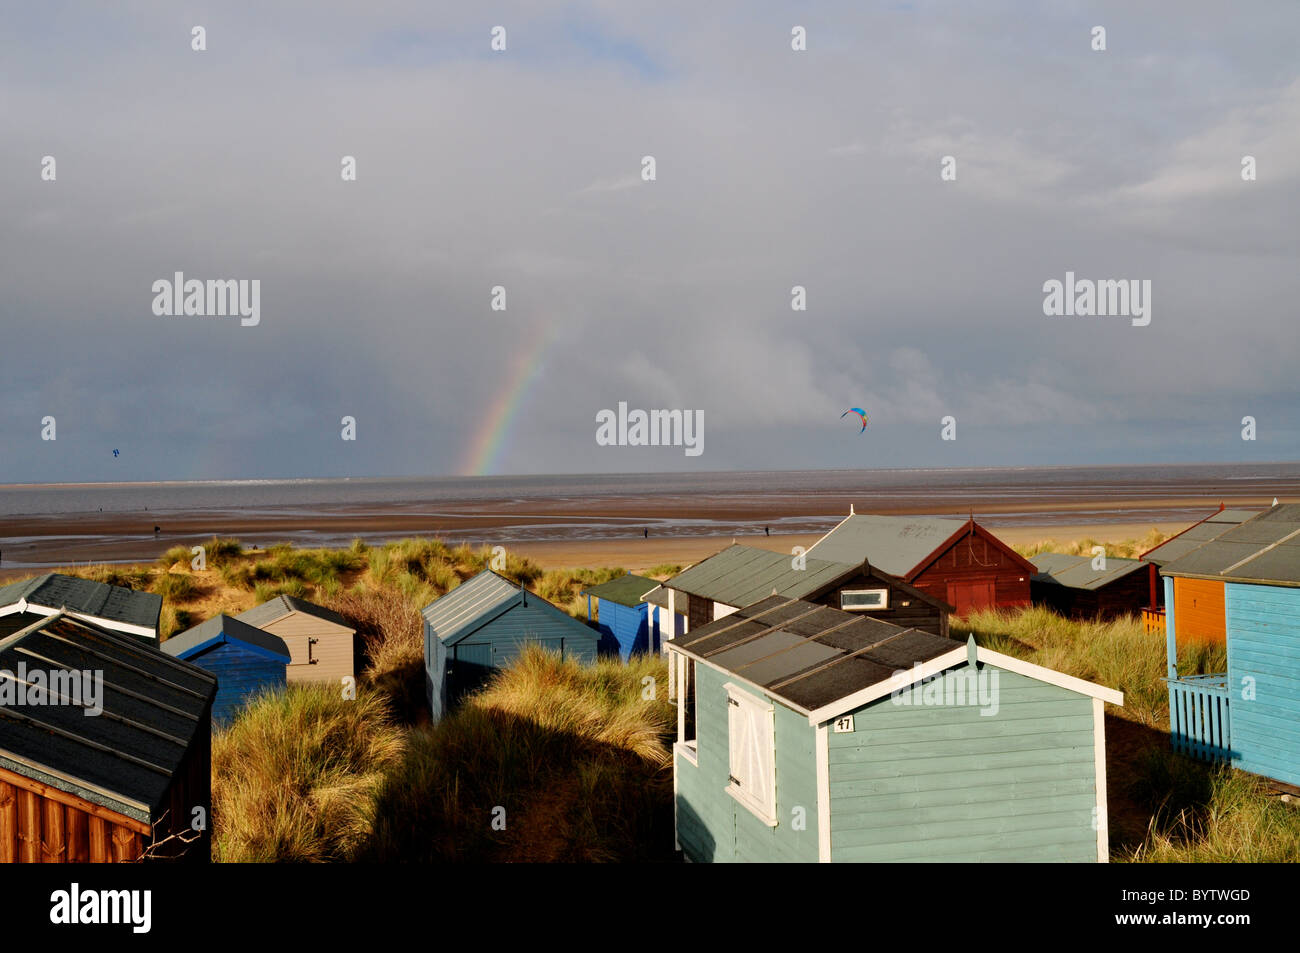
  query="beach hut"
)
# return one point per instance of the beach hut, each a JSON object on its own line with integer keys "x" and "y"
{"x": 1248, "y": 715}
{"x": 481, "y": 625}
{"x": 1090, "y": 587}
{"x": 814, "y": 734}
{"x": 111, "y": 759}
{"x": 664, "y": 620}
{"x": 1201, "y": 600}
{"x": 741, "y": 575}
{"x": 956, "y": 561}
{"x": 322, "y": 643}
{"x": 625, "y": 620}
{"x": 245, "y": 659}
{"x": 115, "y": 608}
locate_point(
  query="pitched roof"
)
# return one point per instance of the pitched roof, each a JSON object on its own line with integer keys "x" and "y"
{"x": 626, "y": 590}
{"x": 1265, "y": 548}
{"x": 276, "y": 609}
{"x": 742, "y": 575}
{"x": 1212, "y": 527}
{"x": 658, "y": 596}
{"x": 895, "y": 544}
{"x": 808, "y": 655}
{"x": 123, "y": 758}
{"x": 1076, "y": 572}
{"x": 223, "y": 628}
{"x": 87, "y": 597}
{"x": 477, "y": 601}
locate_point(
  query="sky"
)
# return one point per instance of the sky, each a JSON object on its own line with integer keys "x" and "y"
{"x": 523, "y": 169}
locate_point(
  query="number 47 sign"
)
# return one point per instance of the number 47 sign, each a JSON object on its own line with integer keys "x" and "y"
{"x": 844, "y": 724}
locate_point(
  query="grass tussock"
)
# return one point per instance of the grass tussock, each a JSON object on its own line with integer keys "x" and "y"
{"x": 294, "y": 777}
{"x": 1117, "y": 654}
{"x": 392, "y": 634}
{"x": 1126, "y": 549}
{"x": 1203, "y": 814}
{"x": 553, "y": 761}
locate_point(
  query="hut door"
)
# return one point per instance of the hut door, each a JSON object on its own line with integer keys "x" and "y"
{"x": 969, "y": 595}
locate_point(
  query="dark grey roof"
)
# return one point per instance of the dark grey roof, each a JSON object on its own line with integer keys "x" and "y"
{"x": 742, "y": 575}
{"x": 1264, "y": 549}
{"x": 276, "y": 609}
{"x": 223, "y": 628}
{"x": 807, "y": 655}
{"x": 1212, "y": 527}
{"x": 894, "y": 544}
{"x": 626, "y": 590}
{"x": 86, "y": 596}
{"x": 1076, "y": 572}
{"x": 124, "y": 758}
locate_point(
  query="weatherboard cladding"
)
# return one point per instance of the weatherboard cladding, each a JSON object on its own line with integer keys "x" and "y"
{"x": 1077, "y": 572}
{"x": 246, "y": 660}
{"x": 1264, "y": 645}
{"x": 947, "y": 784}
{"x": 742, "y": 575}
{"x": 86, "y": 596}
{"x": 807, "y": 655}
{"x": 154, "y": 709}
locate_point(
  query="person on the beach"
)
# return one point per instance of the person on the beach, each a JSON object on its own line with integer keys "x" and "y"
{"x": 767, "y": 531}
{"x": 646, "y": 533}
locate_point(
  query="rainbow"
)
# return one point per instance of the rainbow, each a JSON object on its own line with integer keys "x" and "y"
{"x": 484, "y": 454}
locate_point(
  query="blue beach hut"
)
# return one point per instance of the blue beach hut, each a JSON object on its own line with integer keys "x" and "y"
{"x": 1248, "y": 715}
{"x": 245, "y": 660}
{"x": 623, "y": 615}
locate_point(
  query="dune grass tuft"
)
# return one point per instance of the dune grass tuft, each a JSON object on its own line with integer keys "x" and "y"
{"x": 294, "y": 776}
{"x": 571, "y": 760}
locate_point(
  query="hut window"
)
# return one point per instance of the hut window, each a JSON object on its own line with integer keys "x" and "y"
{"x": 751, "y": 738}
{"x": 864, "y": 600}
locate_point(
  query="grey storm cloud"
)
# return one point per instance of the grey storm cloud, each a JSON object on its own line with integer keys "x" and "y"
{"x": 523, "y": 169}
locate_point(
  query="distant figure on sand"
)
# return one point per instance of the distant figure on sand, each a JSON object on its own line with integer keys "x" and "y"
{"x": 157, "y": 530}
{"x": 767, "y": 531}
{"x": 646, "y": 533}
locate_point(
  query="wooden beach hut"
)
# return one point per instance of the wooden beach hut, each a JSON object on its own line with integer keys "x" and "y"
{"x": 667, "y": 621}
{"x": 625, "y": 620}
{"x": 956, "y": 561}
{"x": 1200, "y": 600}
{"x": 1248, "y": 715}
{"x": 813, "y": 734}
{"x": 481, "y": 625}
{"x": 112, "y": 760}
{"x": 322, "y": 644}
{"x": 742, "y": 575}
{"x": 115, "y": 608}
{"x": 1077, "y": 588}
{"x": 245, "y": 659}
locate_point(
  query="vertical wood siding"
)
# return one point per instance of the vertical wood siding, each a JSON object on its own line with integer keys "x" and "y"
{"x": 947, "y": 784}
{"x": 240, "y": 673}
{"x": 1199, "y": 606}
{"x": 973, "y": 559}
{"x": 38, "y": 828}
{"x": 1264, "y": 647}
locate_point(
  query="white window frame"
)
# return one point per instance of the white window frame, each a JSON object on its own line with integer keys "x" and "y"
{"x": 755, "y": 784}
{"x": 884, "y": 600}
{"x": 686, "y": 676}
